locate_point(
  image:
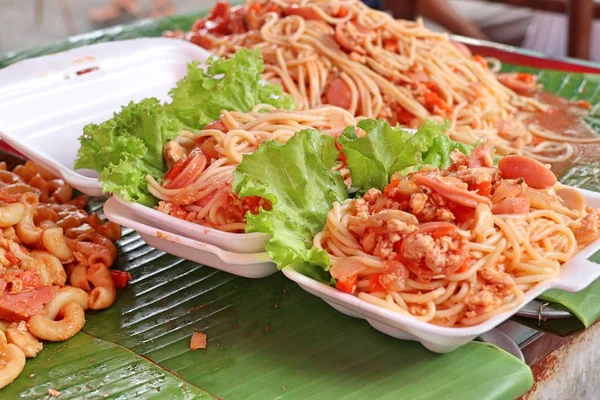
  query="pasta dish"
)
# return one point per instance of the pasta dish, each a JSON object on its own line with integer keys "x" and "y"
{"x": 55, "y": 261}
{"x": 455, "y": 247}
{"x": 346, "y": 54}
{"x": 197, "y": 187}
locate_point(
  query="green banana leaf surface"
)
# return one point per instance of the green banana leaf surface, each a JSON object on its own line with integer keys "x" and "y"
{"x": 266, "y": 338}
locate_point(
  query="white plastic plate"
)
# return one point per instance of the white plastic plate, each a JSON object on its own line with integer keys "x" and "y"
{"x": 575, "y": 275}
{"x": 45, "y": 102}
{"x": 236, "y": 242}
{"x": 256, "y": 265}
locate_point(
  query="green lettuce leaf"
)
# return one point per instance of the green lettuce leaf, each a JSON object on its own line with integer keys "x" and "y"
{"x": 128, "y": 147}
{"x": 232, "y": 84}
{"x": 299, "y": 181}
{"x": 438, "y": 154}
{"x": 385, "y": 150}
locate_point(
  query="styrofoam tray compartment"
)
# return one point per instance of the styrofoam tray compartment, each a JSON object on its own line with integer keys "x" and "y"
{"x": 574, "y": 276}
{"x": 45, "y": 102}
{"x": 235, "y": 242}
{"x": 256, "y": 265}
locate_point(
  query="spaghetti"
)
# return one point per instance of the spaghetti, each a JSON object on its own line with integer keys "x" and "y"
{"x": 346, "y": 54}
{"x": 197, "y": 187}
{"x": 458, "y": 246}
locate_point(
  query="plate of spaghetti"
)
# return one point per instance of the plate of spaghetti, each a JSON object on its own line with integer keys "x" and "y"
{"x": 401, "y": 264}
{"x": 342, "y": 52}
{"x": 439, "y": 252}
{"x": 197, "y": 188}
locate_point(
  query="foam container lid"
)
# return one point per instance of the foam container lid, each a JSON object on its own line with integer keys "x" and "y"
{"x": 45, "y": 102}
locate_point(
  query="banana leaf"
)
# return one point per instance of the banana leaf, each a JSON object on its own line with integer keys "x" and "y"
{"x": 267, "y": 338}
{"x": 95, "y": 368}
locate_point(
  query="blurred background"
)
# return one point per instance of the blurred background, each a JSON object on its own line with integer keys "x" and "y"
{"x": 554, "y": 27}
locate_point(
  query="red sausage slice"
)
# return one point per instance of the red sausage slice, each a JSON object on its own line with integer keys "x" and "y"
{"x": 535, "y": 174}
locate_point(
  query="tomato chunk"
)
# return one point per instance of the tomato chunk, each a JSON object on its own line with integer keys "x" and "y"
{"x": 348, "y": 285}
{"x": 120, "y": 278}
{"x": 483, "y": 188}
{"x": 376, "y": 285}
{"x": 176, "y": 169}
{"x": 30, "y": 279}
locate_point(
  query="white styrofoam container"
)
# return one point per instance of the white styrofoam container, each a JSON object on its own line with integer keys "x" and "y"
{"x": 45, "y": 102}
{"x": 256, "y": 265}
{"x": 575, "y": 275}
{"x": 44, "y": 106}
{"x": 236, "y": 242}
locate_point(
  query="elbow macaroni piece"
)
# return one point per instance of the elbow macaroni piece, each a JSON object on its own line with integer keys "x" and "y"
{"x": 12, "y": 362}
{"x": 104, "y": 292}
{"x": 11, "y": 214}
{"x": 55, "y": 243}
{"x": 41, "y": 184}
{"x": 53, "y": 266}
{"x": 3, "y": 328}
{"x": 63, "y": 297}
{"x": 78, "y": 278}
{"x": 23, "y": 340}
{"x": 58, "y": 331}
{"x": 26, "y": 229}
{"x": 110, "y": 230}
{"x": 98, "y": 250}
{"x": 10, "y": 233}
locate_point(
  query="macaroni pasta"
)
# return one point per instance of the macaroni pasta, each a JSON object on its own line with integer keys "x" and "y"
{"x": 46, "y": 241}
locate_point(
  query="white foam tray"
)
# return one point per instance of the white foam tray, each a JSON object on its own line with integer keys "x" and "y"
{"x": 44, "y": 103}
{"x": 256, "y": 265}
{"x": 236, "y": 242}
{"x": 575, "y": 275}
{"x": 44, "y": 106}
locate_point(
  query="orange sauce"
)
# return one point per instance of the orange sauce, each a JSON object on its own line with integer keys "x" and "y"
{"x": 565, "y": 118}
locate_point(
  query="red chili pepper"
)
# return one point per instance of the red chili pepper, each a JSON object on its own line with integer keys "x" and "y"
{"x": 198, "y": 25}
{"x": 342, "y": 157}
{"x": 202, "y": 40}
{"x": 432, "y": 100}
{"x": 443, "y": 231}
